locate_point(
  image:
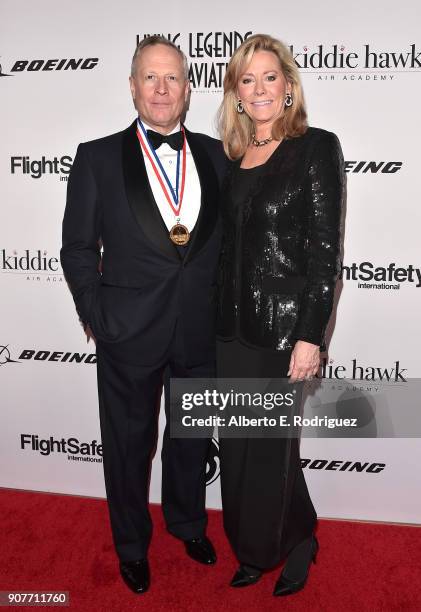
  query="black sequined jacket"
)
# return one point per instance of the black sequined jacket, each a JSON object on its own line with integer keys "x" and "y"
{"x": 280, "y": 255}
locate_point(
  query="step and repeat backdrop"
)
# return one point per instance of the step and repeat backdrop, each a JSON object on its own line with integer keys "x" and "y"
{"x": 64, "y": 80}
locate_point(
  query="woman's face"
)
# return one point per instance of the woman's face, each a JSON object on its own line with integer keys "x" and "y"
{"x": 262, "y": 89}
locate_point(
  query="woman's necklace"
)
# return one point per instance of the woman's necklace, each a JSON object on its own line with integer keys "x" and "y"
{"x": 260, "y": 143}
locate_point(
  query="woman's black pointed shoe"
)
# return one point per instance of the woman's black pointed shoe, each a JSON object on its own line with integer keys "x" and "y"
{"x": 245, "y": 576}
{"x": 287, "y": 586}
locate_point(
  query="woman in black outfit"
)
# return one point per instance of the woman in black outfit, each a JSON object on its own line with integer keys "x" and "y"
{"x": 281, "y": 213}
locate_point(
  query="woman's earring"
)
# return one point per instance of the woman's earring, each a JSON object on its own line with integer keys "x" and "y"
{"x": 288, "y": 100}
{"x": 240, "y": 107}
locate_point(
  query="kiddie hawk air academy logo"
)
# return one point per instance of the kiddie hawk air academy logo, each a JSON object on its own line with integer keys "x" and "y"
{"x": 31, "y": 265}
{"x": 356, "y": 371}
{"x": 330, "y": 62}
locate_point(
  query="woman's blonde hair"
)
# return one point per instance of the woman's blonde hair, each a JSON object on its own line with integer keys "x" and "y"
{"x": 236, "y": 128}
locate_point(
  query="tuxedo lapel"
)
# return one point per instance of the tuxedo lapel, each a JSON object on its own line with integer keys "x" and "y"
{"x": 208, "y": 213}
{"x": 140, "y": 197}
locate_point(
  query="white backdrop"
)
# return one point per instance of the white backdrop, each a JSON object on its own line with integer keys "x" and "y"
{"x": 369, "y": 95}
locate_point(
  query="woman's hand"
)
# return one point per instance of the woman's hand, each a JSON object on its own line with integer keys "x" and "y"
{"x": 305, "y": 361}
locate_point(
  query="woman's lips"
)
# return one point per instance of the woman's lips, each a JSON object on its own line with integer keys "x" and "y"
{"x": 262, "y": 103}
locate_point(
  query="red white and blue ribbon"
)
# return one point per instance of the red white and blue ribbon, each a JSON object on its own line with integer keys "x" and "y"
{"x": 174, "y": 196}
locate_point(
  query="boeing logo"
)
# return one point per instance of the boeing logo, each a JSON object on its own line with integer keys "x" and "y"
{"x": 1, "y": 72}
{"x": 5, "y": 356}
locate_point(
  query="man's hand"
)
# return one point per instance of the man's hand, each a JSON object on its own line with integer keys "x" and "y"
{"x": 305, "y": 361}
{"x": 89, "y": 333}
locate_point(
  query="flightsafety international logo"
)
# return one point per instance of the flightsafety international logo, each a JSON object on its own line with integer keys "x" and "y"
{"x": 389, "y": 276}
{"x": 31, "y": 265}
{"x": 59, "y": 167}
{"x": 369, "y": 62}
{"x": 71, "y": 448}
{"x": 208, "y": 54}
{"x": 80, "y": 451}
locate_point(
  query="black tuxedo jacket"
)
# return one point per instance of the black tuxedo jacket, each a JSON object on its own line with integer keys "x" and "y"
{"x": 134, "y": 294}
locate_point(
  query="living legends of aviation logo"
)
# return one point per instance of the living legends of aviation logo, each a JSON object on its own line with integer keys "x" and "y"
{"x": 208, "y": 54}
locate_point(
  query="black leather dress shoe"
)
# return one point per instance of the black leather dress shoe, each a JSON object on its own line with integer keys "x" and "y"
{"x": 245, "y": 576}
{"x": 136, "y": 575}
{"x": 288, "y": 586}
{"x": 201, "y": 550}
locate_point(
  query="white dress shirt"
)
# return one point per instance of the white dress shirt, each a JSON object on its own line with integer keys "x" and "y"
{"x": 190, "y": 205}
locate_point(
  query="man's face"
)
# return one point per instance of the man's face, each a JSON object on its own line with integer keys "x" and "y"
{"x": 159, "y": 87}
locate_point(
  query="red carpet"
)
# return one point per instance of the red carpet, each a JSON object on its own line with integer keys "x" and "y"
{"x": 54, "y": 542}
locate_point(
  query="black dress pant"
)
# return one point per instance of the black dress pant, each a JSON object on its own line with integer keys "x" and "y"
{"x": 267, "y": 509}
{"x": 129, "y": 398}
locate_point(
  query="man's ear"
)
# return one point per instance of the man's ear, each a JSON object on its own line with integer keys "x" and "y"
{"x": 132, "y": 87}
{"x": 187, "y": 91}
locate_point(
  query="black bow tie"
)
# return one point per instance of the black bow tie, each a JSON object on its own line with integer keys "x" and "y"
{"x": 175, "y": 140}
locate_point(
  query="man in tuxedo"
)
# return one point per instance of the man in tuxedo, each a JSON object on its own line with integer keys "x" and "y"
{"x": 149, "y": 195}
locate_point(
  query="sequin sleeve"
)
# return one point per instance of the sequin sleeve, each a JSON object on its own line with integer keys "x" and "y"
{"x": 324, "y": 199}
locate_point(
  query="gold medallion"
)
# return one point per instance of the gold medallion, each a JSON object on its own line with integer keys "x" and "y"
{"x": 179, "y": 234}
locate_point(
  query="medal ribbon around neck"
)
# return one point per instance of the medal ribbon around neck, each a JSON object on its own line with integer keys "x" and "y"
{"x": 160, "y": 172}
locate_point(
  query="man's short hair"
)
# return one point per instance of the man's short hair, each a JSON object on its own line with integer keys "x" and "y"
{"x": 159, "y": 40}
